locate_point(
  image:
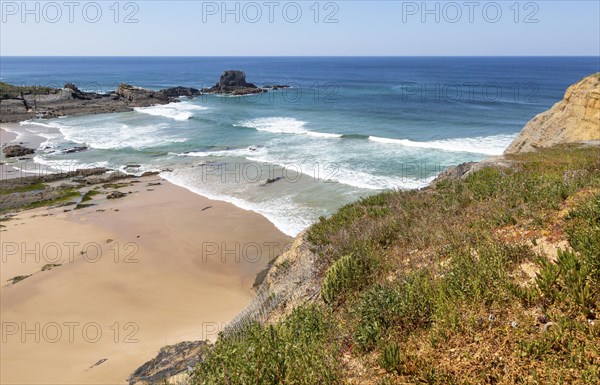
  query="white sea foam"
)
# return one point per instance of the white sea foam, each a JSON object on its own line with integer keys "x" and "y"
{"x": 38, "y": 123}
{"x": 283, "y": 125}
{"x": 66, "y": 165}
{"x": 47, "y": 130}
{"x": 176, "y": 111}
{"x": 107, "y": 135}
{"x": 487, "y": 145}
{"x": 19, "y": 133}
{"x": 369, "y": 181}
{"x": 330, "y": 171}
{"x": 101, "y": 132}
{"x": 336, "y": 172}
{"x": 233, "y": 153}
{"x": 323, "y": 134}
{"x": 277, "y": 211}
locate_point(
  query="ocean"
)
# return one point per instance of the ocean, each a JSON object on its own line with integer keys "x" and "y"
{"x": 348, "y": 127}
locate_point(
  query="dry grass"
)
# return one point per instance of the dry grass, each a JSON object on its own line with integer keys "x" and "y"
{"x": 456, "y": 284}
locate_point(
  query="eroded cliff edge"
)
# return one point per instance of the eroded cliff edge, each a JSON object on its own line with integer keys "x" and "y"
{"x": 574, "y": 119}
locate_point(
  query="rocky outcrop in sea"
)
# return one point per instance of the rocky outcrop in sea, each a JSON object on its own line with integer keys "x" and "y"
{"x": 233, "y": 82}
{"x": 16, "y": 150}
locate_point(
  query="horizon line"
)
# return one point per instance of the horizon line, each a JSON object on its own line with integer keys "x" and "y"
{"x": 290, "y": 56}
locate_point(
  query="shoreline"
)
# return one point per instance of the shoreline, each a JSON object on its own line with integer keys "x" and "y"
{"x": 11, "y": 131}
{"x": 173, "y": 267}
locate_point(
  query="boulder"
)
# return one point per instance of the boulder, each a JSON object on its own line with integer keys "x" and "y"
{"x": 115, "y": 195}
{"x": 176, "y": 92}
{"x": 275, "y": 87}
{"x": 16, "y": 150}
{"x": 234, "y": 78}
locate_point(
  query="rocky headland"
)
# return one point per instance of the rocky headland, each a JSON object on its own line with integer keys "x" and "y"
{"x": 576, "y": 118}
{"x": 573, "y": 120}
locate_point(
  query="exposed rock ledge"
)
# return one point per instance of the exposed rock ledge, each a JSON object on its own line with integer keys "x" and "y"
{"x": 23, "y": 103}
{"x": 576, "y": 118}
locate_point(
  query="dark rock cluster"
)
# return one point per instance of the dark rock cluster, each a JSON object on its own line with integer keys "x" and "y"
{"x": 171, "y": 360}
{"x": 233, "y": 82}
{"x": 24, "y": 103}
{"x": 70, "y": 100}
{"x": 176, "y": 92}
{"x": 16, "y": 150}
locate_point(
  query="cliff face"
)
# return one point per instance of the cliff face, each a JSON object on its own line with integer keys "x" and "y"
{"x": 576, "y": 118}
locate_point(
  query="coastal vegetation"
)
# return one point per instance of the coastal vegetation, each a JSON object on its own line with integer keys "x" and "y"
{"x": 9, "y": 91}
{"x": 493, "y": 278}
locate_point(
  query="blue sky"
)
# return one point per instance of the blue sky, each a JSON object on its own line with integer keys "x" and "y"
{"x": 205, "y": 28}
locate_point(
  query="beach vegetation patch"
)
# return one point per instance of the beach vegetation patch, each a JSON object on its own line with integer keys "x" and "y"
{"x": 26, "y": 188}
{"x": 89, "y": 195}
{"x": 9, "y": 91}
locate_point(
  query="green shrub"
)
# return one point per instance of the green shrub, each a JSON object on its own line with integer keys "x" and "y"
{"x": 347, "y": 273}
{"x": 391, "y": 357}
{"x": 583, "y": 230}
{"x": 406, "y": 305}
{"x": 295, "y": 351}
{"x": 568, "y": 283}
{"x": 481, "y": 274}
{"x": 484, "y": 183}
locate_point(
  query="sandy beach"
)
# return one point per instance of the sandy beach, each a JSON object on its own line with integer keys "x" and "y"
{"x": 160, "y": 266}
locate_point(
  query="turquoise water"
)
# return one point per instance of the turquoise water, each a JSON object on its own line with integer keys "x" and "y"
{"x": 347, "y": 128}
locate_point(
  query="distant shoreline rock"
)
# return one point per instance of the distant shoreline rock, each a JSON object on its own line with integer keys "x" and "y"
{"x": 19, "y": 103}
{"x": 23, "y": 103}
{"x": 233, "y": 82}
